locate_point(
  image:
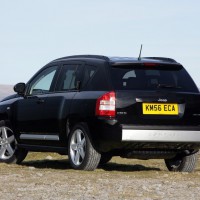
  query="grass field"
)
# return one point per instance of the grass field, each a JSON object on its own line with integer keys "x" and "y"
{"x": 49, "y": 176}
{"x": 57, "y": 162}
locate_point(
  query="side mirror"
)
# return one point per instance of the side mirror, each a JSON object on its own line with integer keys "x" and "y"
{"x": 20, "y": 88}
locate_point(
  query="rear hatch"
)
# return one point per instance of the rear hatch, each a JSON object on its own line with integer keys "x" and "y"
{"x": 150, "y": 93}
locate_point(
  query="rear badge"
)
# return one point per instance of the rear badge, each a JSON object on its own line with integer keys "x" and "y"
{"x": 162, "y": 100}
{"x": 196, "y": 115}
{"x": 122, "y": 113}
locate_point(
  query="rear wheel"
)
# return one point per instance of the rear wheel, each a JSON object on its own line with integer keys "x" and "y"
{"x": 182, "y": 163}
{"x": 81, "y": 152}
{"x": 9, "y": 153}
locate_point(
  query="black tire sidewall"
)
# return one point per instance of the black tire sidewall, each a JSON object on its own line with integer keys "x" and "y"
{"x": 187, "y": 164}
{"x": 84, "y": 128}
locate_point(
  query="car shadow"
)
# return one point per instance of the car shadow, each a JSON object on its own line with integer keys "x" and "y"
{"x": 51, "y": 164}
{"x": 64, "y": 164}
{"x": 127, "y": 167}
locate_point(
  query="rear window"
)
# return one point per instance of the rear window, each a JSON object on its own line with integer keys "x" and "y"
{"x": 128, "y": 77}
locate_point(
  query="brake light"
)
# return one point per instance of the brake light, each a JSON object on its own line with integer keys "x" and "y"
{"x": 105, "y": 105}
{"x": 150, "y": 64}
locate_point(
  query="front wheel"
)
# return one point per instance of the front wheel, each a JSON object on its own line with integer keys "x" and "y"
{"x": 81, "y": 152}
{"x": 8, "y": 148}
{"x": 182, "y": 163}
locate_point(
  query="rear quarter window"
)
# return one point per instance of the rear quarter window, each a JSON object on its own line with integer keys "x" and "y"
{"x": 69, "y": 76}
{"x": 89, "y": 72}
{"x": 95, "y": 78}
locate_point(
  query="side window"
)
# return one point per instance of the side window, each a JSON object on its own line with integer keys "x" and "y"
{"x": 88, "y": 74}
{"x": 69, "y": 76}
{"x": 96, "y": 78}
{"x": 42, "y": 83}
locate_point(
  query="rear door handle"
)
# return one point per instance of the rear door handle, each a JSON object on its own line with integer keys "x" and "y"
{"x": 39, "y": 101}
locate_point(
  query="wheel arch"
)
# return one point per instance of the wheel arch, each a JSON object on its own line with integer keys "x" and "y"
{"x": 4, "y": 117}
{"x": 72, "y": 120}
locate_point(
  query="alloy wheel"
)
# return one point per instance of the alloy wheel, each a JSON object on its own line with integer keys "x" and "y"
{"x": 7, "y": 143}
{"x": 77, "y": 147}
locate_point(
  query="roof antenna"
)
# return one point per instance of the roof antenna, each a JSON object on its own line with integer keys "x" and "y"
{"x": 139, "y": 58}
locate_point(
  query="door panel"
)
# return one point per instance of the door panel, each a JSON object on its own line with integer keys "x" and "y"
{"x": 57, "y": 106}
{"x": 41, "y": 115}
{"x": 30, "y": 110}
{"x": 30, "y": 113}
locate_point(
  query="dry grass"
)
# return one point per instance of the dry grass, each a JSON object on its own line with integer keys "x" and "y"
{"x": 143, "y": 168}
{"x": 49, "y": 176}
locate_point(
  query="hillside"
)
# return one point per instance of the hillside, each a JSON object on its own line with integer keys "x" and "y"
{"x": 6, "y": 90}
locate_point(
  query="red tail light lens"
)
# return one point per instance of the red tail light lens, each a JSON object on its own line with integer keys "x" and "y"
{"x": 150, "y": 64}
{"x": 105, "y": 105}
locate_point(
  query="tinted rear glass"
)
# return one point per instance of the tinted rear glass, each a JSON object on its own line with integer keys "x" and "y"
{"x": 128, "y": 77}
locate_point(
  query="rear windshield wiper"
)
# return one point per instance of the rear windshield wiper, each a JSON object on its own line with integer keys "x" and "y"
{"x": 168, "y": 86}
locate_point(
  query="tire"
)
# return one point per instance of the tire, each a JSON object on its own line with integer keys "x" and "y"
{"x": 183, "y": 163}
{"x": 9, "y": 153}
{"x": 82, "y": 155}
{"x": 105, "y": 158}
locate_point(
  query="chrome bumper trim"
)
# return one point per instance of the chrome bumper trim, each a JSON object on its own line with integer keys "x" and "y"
{"x": 39, "y": 137}
{"x": 160, "y": 135}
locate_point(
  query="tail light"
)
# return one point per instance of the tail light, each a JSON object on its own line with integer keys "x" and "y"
{"x": 105, "y": 105}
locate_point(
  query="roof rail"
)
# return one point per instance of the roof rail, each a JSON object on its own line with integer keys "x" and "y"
{"x": 161, "y": 58}
{"x": 85, "y": 56}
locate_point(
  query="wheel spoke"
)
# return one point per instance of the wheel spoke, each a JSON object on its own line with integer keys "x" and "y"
{"x": 77, "y": 157}
{"x": 10, "y": 150}
{"x": 4, "y": 132}
{"x": 2, "y": 152}
{"x": 83, "y": 142}
{"x": 11, "y": 139}
{"x": 78, "y": 136}
{"x": 82, "y": 153}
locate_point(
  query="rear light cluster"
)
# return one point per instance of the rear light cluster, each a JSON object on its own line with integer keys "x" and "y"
{"x": 105, "y": 105}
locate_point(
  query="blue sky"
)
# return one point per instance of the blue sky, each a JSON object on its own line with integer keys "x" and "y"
{"x": 32, "y": 33}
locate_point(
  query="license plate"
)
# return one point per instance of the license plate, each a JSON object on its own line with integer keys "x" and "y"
{"x": 159, "y": 109}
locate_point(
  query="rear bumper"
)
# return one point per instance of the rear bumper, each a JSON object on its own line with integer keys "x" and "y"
{"x": 110, "y": 135}
{"x": 160, "y": 136}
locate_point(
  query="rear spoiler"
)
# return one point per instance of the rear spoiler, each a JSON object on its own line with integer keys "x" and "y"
{"x": 161, "y": 59}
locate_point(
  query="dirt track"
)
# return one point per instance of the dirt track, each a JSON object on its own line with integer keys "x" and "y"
{"x": 47, "y": 177}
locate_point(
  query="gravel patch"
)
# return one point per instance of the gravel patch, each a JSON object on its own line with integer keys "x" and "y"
{"x": 54, "y": 180}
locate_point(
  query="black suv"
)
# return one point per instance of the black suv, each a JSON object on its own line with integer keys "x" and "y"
{"x": 94, "y": 107}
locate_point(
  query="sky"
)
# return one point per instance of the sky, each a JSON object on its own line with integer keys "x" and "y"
{"x": 35, "y": 32}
